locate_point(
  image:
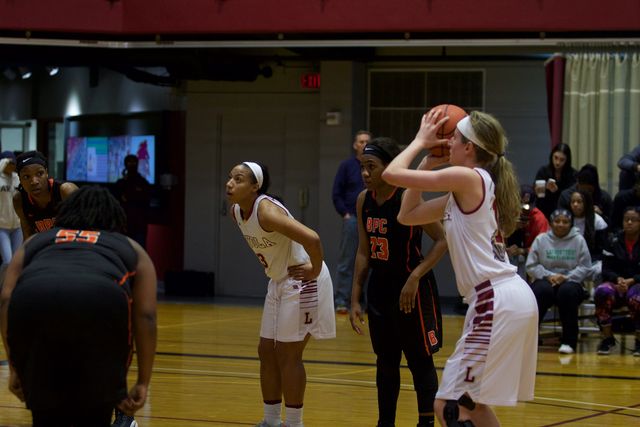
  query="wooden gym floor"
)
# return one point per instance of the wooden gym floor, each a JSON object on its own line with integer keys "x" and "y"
{"x": 206, "y": 374}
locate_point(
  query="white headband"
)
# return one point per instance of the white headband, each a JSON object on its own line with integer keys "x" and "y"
{"x": 257, "y": 172}
{"x": 465, "y": 128}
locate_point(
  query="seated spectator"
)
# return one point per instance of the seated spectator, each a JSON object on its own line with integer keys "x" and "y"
{"x": 592, "y": 227}
{"x": 589, "y": 181}
{"x": 629, "y": 165}
{"x": 558, "y": 262}
{"x": 558, "y": 175}
{"x": 531, "y": 223}
{"x": 621, "y": 202}
{"x": 621, "y": 280}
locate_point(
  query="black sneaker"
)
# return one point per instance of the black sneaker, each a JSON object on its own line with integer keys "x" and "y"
{"x": 606, "y": 345}
{"x": 636, "y": 351}
{"x": 124, "y": 420}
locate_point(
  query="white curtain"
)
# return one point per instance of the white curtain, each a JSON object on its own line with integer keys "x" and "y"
{"x": 601, "y": 117}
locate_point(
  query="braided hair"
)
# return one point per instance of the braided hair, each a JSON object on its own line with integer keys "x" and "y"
{"x": 92, "y": 208}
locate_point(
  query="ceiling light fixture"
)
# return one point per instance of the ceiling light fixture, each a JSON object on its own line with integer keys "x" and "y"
{"x": 25, "y": 73}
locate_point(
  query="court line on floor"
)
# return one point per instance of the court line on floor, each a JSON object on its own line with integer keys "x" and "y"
{"x": 370, "y": 364}
{"x": 633, "y": 408}
{"x": 599, "y": 414}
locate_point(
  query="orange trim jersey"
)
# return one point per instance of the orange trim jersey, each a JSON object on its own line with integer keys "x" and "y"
{"x": 275, "y": 251}
{"x": 395, "y": 251}
{"x": 42, "y": 219}
{"x": 82, "y": 252}
{"x": 70, "y": 313}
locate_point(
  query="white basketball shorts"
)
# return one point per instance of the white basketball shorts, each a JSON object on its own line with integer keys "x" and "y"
{"x": 293, "y": 309}
{"x": 495, "y": 358}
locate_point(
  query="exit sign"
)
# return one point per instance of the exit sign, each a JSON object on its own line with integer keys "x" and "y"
{"x": 310, "y": 81}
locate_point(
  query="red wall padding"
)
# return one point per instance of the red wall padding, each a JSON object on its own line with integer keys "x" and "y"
{"x": 317, "y": 16}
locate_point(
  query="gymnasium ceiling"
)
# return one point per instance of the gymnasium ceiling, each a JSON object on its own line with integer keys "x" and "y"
{"x": 238, "y": 39}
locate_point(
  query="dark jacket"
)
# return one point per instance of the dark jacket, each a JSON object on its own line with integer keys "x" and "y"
{"x": 617, "y": 263}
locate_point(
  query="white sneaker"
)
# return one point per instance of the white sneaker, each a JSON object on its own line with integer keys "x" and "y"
{"x": 565, "y": 349}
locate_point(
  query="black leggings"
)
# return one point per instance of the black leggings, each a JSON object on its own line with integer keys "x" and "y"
{"x": 67, "y": 417}
{"x": 392, "y": 334}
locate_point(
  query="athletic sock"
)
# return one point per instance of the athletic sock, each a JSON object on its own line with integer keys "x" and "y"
{"x": 294, "y": 417}
{"x": 272, "y": 411}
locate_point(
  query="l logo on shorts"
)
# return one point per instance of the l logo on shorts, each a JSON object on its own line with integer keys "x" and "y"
{"x": 307, "y": 319}
{"x": 468, "y": 378}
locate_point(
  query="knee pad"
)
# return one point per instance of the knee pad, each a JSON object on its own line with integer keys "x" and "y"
{"x": 452, "y": 411}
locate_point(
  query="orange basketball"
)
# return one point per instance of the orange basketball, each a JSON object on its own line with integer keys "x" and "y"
{"x": 455, "y": 114}
{"x": 439, "y": 151}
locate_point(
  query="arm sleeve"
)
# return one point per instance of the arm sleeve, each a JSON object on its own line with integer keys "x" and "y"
{"x": 629, "y": 161}
{"x": 582, "y": 270}
{"x": 609, "y": 262}
{"x": 338, "y": 193}
{"x": 533, "y": 267}
{"x": 564, "y": 201}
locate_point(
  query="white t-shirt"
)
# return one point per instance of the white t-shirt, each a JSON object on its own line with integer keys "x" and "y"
{"x": 599, "y": 223}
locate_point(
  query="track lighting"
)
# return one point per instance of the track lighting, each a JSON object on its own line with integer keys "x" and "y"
{"x": 9, "y": 74}
{"x": 25, "y": 73}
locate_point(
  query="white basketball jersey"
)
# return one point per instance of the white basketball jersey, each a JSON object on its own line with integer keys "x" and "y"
{"x": 476, "y": 247}
{"x": 275, "y": 251}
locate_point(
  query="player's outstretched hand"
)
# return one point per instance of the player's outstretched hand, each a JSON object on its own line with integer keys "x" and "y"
{"x": 135, "y": 400}
{"x": 356, "y": 316}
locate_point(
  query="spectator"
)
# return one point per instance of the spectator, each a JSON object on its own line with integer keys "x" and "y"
{"x": 592, "y": 227}
{"x": 620, "y": 280}
{"x": 346, "y": 187}
{"x": 589, "y": 181}
{"x": 558, "y": 263}
{"x": 558, "y": 176}
{"x": 134, "y": 194}
{"x": 621, "y": 202}
{"x": 629, "y": 165}
{"x": 10, "y": 231}
{"x": 531, "y": 223}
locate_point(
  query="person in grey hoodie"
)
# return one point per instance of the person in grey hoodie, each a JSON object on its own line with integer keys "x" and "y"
{"x": 558, "y": 262}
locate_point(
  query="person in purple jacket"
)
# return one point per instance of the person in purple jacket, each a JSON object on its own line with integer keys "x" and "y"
{"x": 346, "y": 187}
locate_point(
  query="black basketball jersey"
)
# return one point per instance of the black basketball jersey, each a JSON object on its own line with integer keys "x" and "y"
{"x": 394, "y": 247}
{"x": 42, "y": 219}
{"x": 90, "y": 255}
{"x": 395, "y": 251}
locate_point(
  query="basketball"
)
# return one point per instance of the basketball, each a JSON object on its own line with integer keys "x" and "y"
{"x": 439, "y": 151}
{"x": 455, "y": 114}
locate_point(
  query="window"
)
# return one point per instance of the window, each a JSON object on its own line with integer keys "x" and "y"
{"x": 398, "y": 98}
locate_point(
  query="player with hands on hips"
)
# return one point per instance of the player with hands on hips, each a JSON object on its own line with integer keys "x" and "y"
{"x": 299, "y": 300}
